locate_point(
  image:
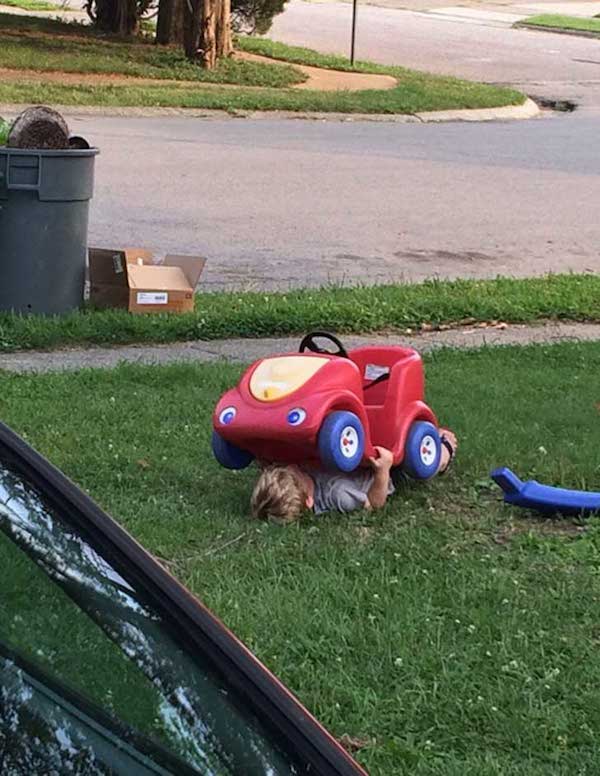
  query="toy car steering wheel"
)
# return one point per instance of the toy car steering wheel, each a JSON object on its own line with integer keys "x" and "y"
{"x": 308, "y": 343}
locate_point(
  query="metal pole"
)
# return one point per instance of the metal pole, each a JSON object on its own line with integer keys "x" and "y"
{"x": 352, "y": 44}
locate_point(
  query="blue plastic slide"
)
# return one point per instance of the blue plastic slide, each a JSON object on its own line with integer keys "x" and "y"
{"x": 543, "y": 498}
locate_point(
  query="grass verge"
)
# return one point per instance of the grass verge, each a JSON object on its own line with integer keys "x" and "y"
{"x": 419, "y": 93}
{"x": 345, "y": 310}
{"x": 32, "y": 45}
{"x": 450, "y": 635}
{"x": 571, "y": 23}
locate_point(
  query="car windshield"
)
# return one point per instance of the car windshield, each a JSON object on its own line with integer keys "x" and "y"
{"x": 92, "y": 678}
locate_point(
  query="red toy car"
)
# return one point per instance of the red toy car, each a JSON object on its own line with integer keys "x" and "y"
{"x": 329, "y": 410}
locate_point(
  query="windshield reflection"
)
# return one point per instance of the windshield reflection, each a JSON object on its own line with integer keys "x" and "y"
{"x": 202, "y": 723}
{"x": 43, "y": 733}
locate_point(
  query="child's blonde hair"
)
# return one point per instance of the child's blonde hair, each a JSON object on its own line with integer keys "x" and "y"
{"x": 278, "y": 495}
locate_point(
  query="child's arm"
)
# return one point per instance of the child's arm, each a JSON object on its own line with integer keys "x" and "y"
{"x": 378, "y": 492}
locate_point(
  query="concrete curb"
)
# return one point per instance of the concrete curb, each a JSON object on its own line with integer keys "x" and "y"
{"x": 556, "y": 30}
{"x": 527, "y": 110}
{"x": 246, "y": 350}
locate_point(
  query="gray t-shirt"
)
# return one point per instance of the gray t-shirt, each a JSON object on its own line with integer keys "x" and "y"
{"x": 343, "y": 492}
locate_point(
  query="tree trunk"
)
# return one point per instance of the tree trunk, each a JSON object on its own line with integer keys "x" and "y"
{"x": 117, "y": 16}
{"x": 224, "y": 42}
{"x": 208, "y": 33}
{"x": 215, "y": 37}
{"x": 171, "y": 22}
{"x": 207, "y": 30}
{"x": 191, "y": 28}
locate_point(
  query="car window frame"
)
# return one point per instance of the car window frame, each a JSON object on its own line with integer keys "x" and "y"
{"x": 192, "y": 624}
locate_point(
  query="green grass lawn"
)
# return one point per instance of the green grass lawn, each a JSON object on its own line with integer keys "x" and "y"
{"x": 574, "y": 23}
{"x": 345, "y": 310}
{"x": 35, "y": 44}
{"x": 455, "y": 636}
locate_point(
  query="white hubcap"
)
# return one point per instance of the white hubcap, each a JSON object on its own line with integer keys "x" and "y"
{"x": 349, "y": 442}
{"x": 428, "y": 450}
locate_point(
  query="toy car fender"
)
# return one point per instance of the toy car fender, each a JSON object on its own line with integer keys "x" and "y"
{"x": 266, "y": 430}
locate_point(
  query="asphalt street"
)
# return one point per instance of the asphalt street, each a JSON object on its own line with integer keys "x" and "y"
{"x": 278, "y": 204}
{"x": 287, "y": 203}
{"x": 475, "y": 43}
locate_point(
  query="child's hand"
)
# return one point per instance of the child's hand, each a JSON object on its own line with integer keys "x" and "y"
{"x": 384, "y": 460}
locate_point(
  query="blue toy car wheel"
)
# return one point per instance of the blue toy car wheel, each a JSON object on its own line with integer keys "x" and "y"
{"x": 228, "y": 455}
{"x": 422, "y": 451}
{"x": 341, "y": 441}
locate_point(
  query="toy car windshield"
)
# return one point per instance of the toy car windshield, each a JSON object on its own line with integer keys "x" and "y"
{"x": 277, "y": 377}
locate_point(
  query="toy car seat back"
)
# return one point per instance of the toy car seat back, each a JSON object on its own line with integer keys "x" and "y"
{"x": 383, "y": 369}
{"x": 392, "y": 404}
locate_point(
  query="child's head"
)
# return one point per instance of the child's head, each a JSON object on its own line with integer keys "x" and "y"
{"x": 282, "y": 494}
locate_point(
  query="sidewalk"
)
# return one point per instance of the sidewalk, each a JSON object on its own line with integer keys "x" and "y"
{"x": 247, "y": 350}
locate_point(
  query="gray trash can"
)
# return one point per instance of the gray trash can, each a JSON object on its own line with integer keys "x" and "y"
{"x": 44, "y": 202}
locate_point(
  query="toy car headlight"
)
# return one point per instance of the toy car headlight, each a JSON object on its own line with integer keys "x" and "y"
{"x": 296, "y": 416}
{"x": 227, "y": 415}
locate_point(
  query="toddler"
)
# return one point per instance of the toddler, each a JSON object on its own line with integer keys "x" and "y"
{"x": 284, "y": 493}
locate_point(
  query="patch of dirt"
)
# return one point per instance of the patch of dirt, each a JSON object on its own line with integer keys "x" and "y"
{"x": 542, "y": 526}
{"x": 355, "y": 743}
{"x": 323, "y": 80}
{"x": 363, "y": 534}
{"x": 317, "y": 79}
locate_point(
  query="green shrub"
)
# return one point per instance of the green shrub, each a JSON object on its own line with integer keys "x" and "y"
{"x": 255, "y": 16}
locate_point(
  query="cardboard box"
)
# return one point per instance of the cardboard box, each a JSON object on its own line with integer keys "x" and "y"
{"x": 130, "y": 278}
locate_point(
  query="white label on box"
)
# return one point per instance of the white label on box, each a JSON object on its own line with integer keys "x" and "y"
{"x": 117, "y": 263}
{"x": 373, "y": 371}
{"x": 152, "y": 297}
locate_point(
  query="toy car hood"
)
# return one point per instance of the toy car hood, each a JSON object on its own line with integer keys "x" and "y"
{"x": 279, "y": 405}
